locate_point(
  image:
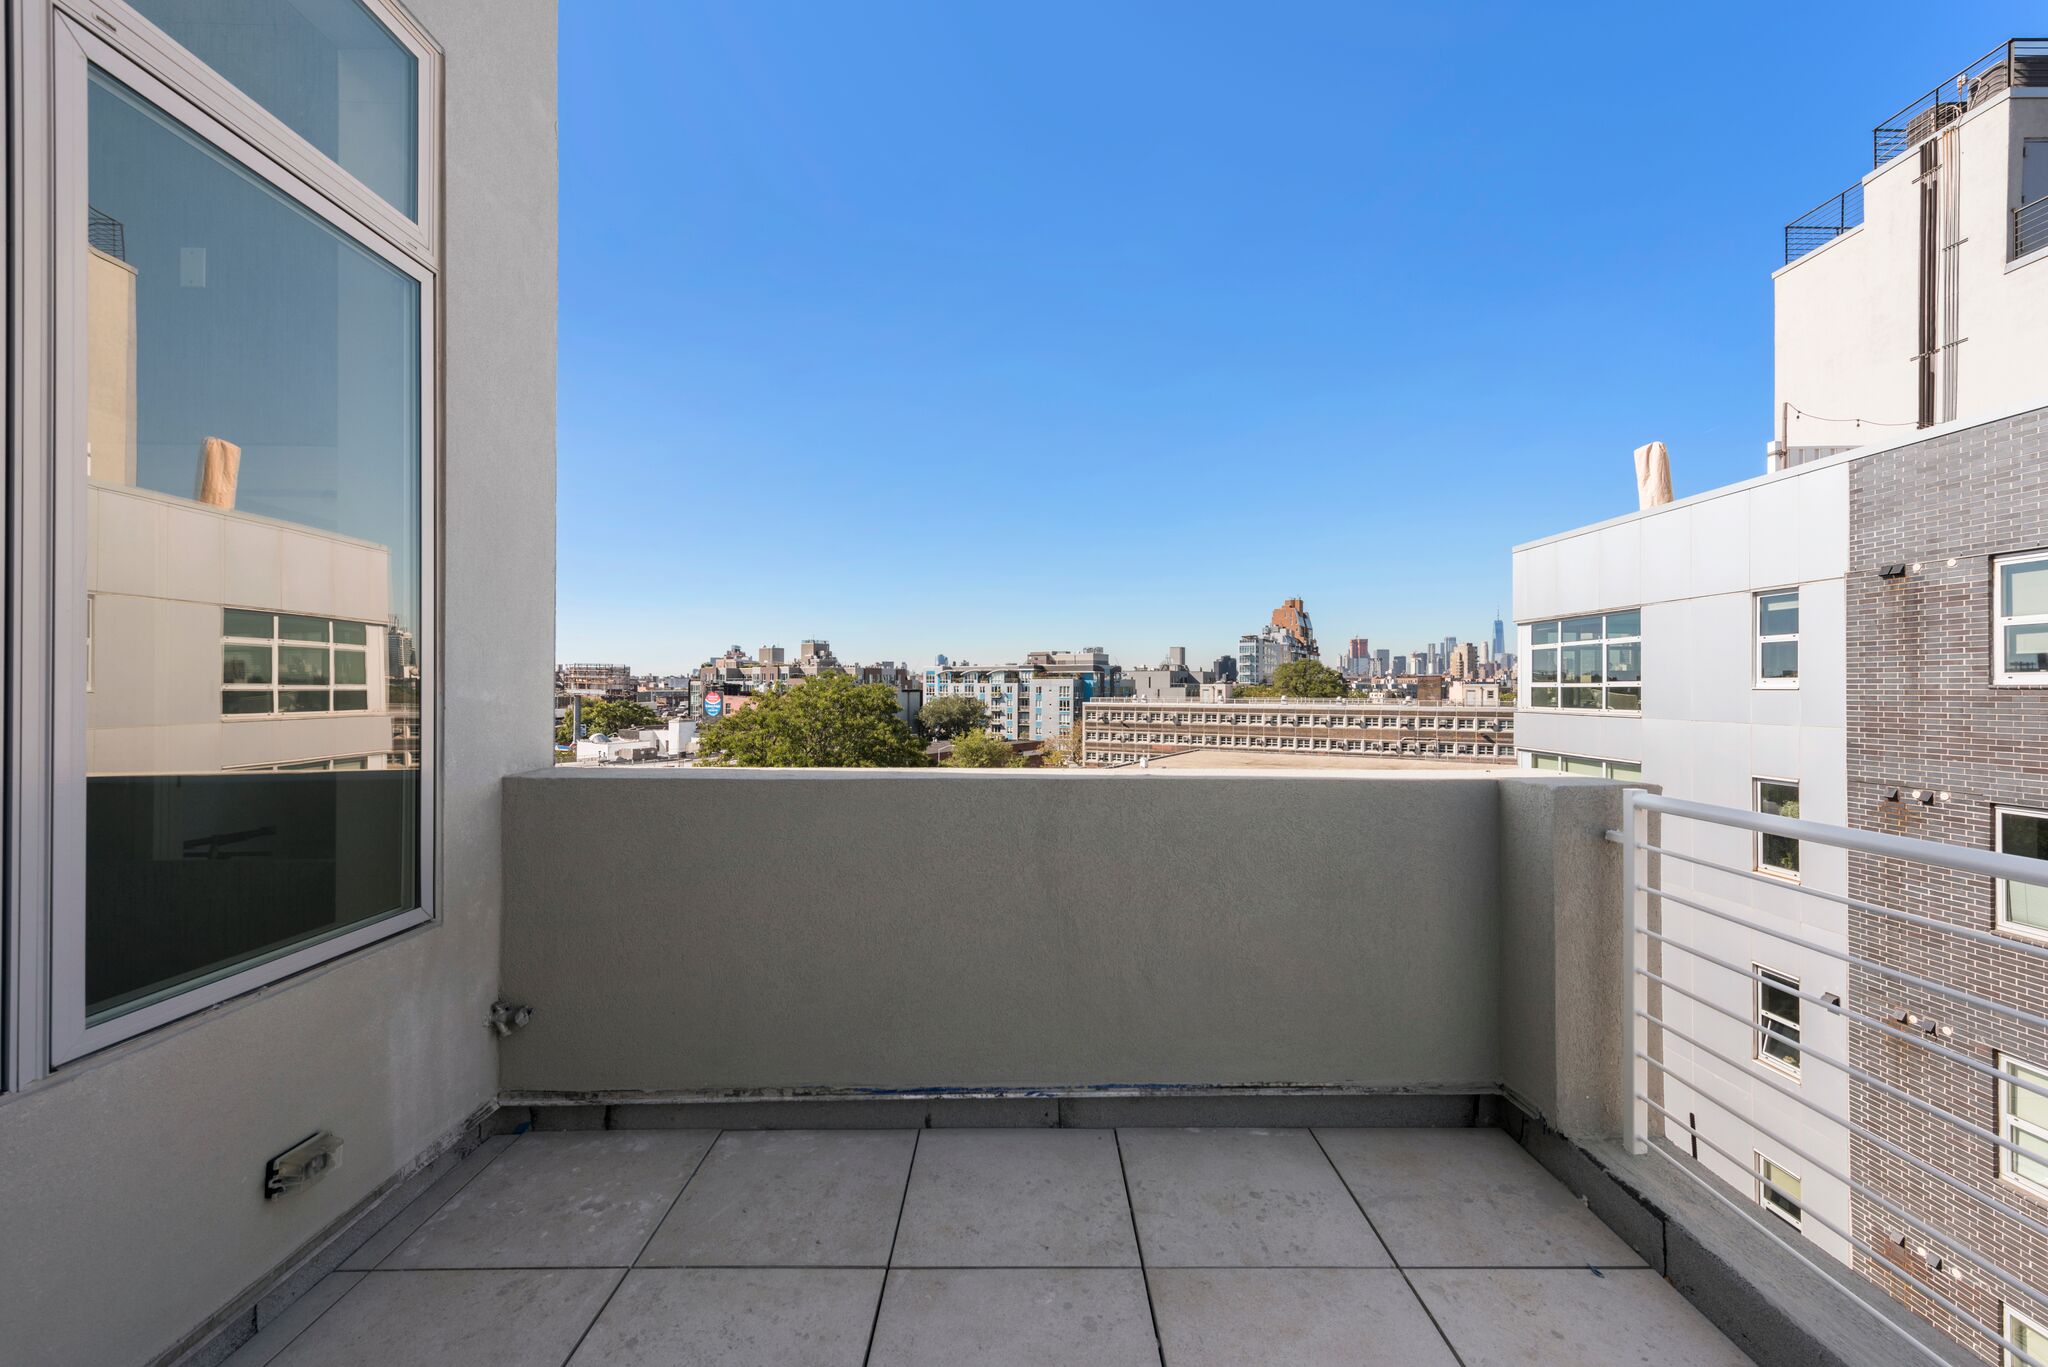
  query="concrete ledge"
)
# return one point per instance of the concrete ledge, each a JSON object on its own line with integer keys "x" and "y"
{"x": 1780, "y": 1310}
{"x": 1290, "y": 1108}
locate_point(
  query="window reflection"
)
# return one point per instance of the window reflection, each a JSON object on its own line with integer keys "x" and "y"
{"x": 253, "y": 492}
{"x": 327, "y": 69}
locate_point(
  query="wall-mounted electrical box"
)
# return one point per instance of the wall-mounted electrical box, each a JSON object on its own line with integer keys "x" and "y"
{"x": 306, "y": 1161}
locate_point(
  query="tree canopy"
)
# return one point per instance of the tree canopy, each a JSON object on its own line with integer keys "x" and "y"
{"x": 980, "y": 750}
{"x": 827, "y": 722}
{"x": 608, "y": 717}
{"x": 1308, "y": 679}
{"x": 953, "y": 715}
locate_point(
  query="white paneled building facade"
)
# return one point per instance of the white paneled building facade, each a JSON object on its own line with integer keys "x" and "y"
{"x": 1700, "y": 646}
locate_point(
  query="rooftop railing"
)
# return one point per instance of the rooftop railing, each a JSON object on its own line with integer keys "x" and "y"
{"x": 2030, "y": 228}
{"x": 1824, "y": 223}
{"x": 1724, "y": 1087}
{"x": 2012, "y": 64}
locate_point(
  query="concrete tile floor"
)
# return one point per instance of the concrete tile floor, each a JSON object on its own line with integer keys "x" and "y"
{"x": 899, "y": 1248}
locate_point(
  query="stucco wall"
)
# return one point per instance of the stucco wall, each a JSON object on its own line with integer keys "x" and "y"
{"x": 132, "y": 1208}
{"x": 685, "y": 931}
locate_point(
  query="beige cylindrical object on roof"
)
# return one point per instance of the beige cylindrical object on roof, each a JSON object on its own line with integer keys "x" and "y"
{"x": 220, "y": 467}
{"x": 1653, "y": 475}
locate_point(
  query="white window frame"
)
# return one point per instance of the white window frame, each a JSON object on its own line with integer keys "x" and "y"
{"x": 1525, "y": 699}
{"x": 1607, "y": 766}
{"x": 1999, "y": 622}
{"x": 1764, "y": 1192}
{"x": 1785, "y": 982}
{"x": 1759, "y": 640}
{"x": 2011, "y": 1320}
{"x": 49, "y": 1025}
{"x": 164, "y": 56}
{"x": 1756, "y": 844}
{"x": 2009, "y": 1066}
{"x": 2005, "y": 926}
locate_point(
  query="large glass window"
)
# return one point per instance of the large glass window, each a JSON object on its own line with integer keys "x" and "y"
{"x": 2025, "y": 1123}
{"x": 2019, "y": 627}
{"x": 329, "y": 71}
{"x": 253, "y": 480}
{"x": 1580, "y": 764}
{"x": 1777, "y": 639}
{"x": 2022, "y": 907}
{"x": 1591, "y": 663}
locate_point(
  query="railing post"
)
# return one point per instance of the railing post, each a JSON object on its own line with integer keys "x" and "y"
{"x": 1635, "y": 1113}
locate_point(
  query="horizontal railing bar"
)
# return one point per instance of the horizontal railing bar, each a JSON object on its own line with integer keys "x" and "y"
{"x": 1987, "y": 863}
{"x": 1858, "y": 904}
{"x": 1926, "y": 1108}
{"x": 1870, "y": 965}
{"x": 1899, "y": 1269}
{"x": 1980, "y": 1261}
{"x": 1915, "y": 1038}
{"x": 1781, "y": 1241}
{"x": 1920, "y": 1165}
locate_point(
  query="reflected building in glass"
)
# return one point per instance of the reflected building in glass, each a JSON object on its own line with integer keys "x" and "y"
{"x": 253, "y": 566}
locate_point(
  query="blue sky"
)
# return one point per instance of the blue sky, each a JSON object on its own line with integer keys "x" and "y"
{"x": 979, "y": 328}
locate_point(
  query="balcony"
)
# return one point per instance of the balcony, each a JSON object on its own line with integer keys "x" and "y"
{"x": 955, "y": 1067}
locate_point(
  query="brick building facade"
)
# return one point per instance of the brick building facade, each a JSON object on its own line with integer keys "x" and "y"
{"x": 1934, "y": 748}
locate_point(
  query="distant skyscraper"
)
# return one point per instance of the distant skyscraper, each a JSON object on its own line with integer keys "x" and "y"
{"x": 1359, "y": 648}
{"x": 1500, "y": 635}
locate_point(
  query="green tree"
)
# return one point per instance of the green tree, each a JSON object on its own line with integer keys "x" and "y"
{"x": 980, "y": 750}
{"x": 824, "y": 722}
{"x": 950, "y": 716}
{"x": 607, "y": 717}
{"x": 1308, "y": 679}
{"x": 1062, "y": 750}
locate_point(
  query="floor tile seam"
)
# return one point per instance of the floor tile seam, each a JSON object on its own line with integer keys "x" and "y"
{"x": 1138, "y": 1239}
{"x": 902, "y": 1203}
{"x": 1406, "y": 1280}
{"x": 653, "y": 1230}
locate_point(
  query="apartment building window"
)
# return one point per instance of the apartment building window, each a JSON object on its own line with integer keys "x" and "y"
{"x": 2022, "y": 907}
{"x": 2023, "y": 1333}
{"x": 1579, "y": 764}
{"x": 246, "y": 372}
{"x": 1777, "y": 639}
{"x": 2024, "y": 1117}
{"x": 1591, "y": 663}
{"x": 275, "y": 662}
{"x": 1779, "y": 1191}
{"x": 2019, "y": 644}
{"x": 1777, "y": 1019}
{"x": 1778, "y": 854}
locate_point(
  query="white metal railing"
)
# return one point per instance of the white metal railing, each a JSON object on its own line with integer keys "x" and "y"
{"x": 1650, "y": 940}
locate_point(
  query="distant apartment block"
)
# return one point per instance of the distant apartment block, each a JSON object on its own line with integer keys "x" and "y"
{"x": 598, "y": 680}
{"x": 1022, "y": 702}
{"x": 1123, "y": 731}
{"x": 1089, "y": 666}
{"x": 1289, "y": 636}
